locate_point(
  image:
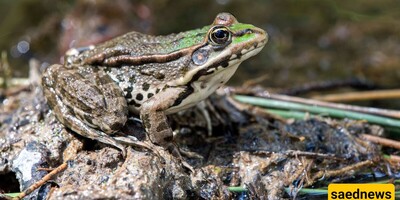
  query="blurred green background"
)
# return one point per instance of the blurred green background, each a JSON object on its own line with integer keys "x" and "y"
{"x": 310, "y": 41}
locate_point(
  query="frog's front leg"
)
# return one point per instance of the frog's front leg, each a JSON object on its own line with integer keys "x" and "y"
{"x": 153, "y": 115}
{"x": 91, "y": 105}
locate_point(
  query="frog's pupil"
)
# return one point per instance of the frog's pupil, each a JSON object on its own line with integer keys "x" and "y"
{"x": 221, "y": 34}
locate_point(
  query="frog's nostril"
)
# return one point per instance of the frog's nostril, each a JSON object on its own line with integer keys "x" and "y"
{"x": 249, "y": 31}
{"x": 244, "y": 32}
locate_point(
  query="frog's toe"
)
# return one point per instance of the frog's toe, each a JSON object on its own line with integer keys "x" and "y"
{"x": 80, "y": 127}
{"x": 132, "y": 141}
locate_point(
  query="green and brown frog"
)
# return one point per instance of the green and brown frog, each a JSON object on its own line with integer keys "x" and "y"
{"x": 152, "y": 76}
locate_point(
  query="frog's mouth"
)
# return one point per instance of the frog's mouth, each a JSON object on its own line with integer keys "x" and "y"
{"x": 236, "y": 58}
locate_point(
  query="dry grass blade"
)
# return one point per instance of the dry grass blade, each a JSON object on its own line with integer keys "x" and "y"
{"x": 382, "y": 141}
{"x": 360, "y": 96}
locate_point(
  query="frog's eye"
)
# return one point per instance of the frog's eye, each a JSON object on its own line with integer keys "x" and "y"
{"x": 220, "y": 35}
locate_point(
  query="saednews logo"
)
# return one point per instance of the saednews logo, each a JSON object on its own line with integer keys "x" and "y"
{"x": 360, "y": 191}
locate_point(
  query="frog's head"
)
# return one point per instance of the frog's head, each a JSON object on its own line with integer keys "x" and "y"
{"x": 224, "y": 45}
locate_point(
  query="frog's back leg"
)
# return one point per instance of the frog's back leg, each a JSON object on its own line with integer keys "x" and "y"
{"x": 85, "y": 105}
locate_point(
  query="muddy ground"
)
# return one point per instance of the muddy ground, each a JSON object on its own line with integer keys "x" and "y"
{"x": 260, "y": 154}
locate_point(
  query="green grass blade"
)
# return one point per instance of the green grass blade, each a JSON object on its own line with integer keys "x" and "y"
{"x": 302, "y": 108}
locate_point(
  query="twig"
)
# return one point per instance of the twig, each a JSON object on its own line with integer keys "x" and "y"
{"x": 382, "y": 141}
{"x": 41, "y": 181}
{"x": 255, "y": 81}
{"x": 312, "y": 154}
{"x": 360, "y": 96}
{"x": 344, "y": 170}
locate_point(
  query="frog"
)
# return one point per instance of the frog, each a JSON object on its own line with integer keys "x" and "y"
{"x": 98, "y": 87}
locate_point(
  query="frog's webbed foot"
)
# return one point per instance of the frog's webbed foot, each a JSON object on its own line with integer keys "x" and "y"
{"x": 174, "y": 149}
{"x": 93, "y": 107}
{"x": 132, "y": 141}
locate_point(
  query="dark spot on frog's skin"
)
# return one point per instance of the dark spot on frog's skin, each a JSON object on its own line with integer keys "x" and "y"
{"x": 128, "y": 89}
{"x": 165, "y": 87}
{"x": 146, "y": 121}
{"x": 139, "y": 97}
{"x": 133, "y": 102}
{"x": 145, "y": 86}
{"x": 203, "y": 85}
{"x": 168, "y": 139}
{"x": 120, "y": 77}
{"x": 128, "y": 95}
{"x": 149, "y": 95}
{"x": 221, "y": 82}
{"x": 157, "y": 90}
{"x": 145, "y": 72}
{"x": 132, "y": 79}
{"x": 225, "y": 64}
{"x": 159, "y": 76}
{"x": 184, "y": 69}
{"x": 108, "y": 70}
{"x": 238, "y": 56}
{"x": 162, "y": 126}
{"x": 103, "y": 79}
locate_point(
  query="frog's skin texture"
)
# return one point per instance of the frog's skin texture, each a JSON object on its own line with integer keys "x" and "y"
{"x": 153, "y": 76}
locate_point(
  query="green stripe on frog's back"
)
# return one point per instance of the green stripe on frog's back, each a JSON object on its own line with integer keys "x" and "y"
{"x": 141, "y": 49}
{"x": 191, "y": 38}
{"x": 240, "y": 26}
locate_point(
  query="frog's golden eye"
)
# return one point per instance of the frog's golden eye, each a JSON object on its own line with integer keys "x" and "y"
{"x": 220, "y": 35}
